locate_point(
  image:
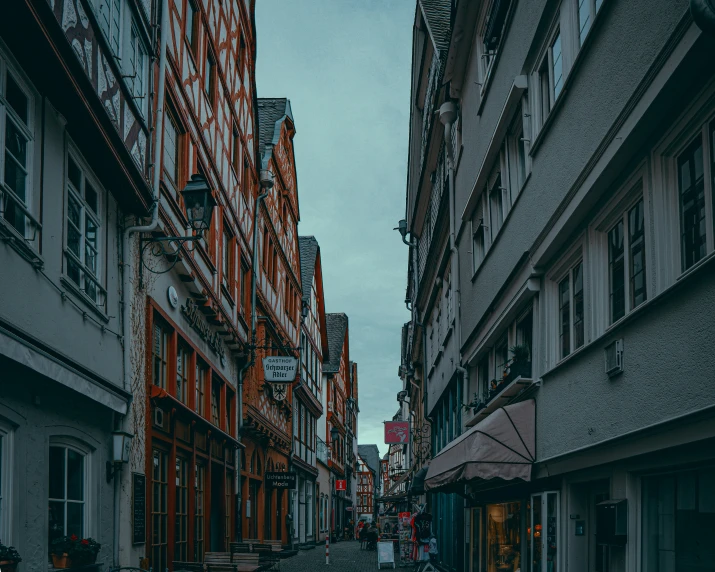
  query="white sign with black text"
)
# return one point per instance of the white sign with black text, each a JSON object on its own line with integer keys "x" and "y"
{"x": 278, "y": 369}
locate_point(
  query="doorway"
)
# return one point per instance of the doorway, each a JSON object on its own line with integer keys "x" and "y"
{"x": 217, "y": 532}
{"x": 584, "y": 554}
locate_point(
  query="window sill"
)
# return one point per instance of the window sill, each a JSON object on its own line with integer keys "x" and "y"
{"x": 10, "y": 236}
{"x": 86, "y": 300}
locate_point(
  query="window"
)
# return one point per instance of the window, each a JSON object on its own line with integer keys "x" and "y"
{"x": 479, "y": 246}
{"x": 67, "y": 492}
{"x": 516, "y": 153}
{"x": 159, "y": 510}
{"x": 241, "y": 51}
{"x": 496, "y": 206}
{"x": 15, "y": 108}
{"x": 200, "y": 399}
{"x": 183, "y": 361}
{"x": 160, "y": 352}
{"x": 228, "y": 256}
{"x": 627, "y": 262}
{"x": 691, "y": 186}
{"x": 246, "y": 183}
{"x": 192, "y": 27}
{"x": 543, "y": 517}
{"x": 229, "y": 423}
{"x": 491, "y": 34}
{"x": 571, "y": 311}
{"x": 82, "y": 248}
{"x": 210, "y": 78}
{"x": 110, "y": 17}
{"x": 215, "y": 402}
{"x": 236, "y": 155}
{"x": 677, "y": 519}
{"x": 551, "y": 76}
{"x": 5, "y": 493}
{"x": 171, "y": 148}
{"x": 587, "y": 10}
{"x": 199, "y": 511}
{"x": 137, "y": 65}
{"x": 228, "y": 509}
{"x": 181, "y": 509}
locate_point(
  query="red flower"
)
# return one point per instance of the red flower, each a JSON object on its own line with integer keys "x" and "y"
{"x": 85, "y": 542}
{"x": 73, "y": 538}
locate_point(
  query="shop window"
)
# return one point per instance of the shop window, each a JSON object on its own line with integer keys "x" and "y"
{"x": 475, "y": 540}
{"x": 199, "y": 511}
{"x": 182, "y": 510}
{"x": 503, "y": 531}
{"x": 67, "y": 492}
{"x": 678, "y": 521}
{"x": 543, "y": 531}
{"x": 159, "y": 511}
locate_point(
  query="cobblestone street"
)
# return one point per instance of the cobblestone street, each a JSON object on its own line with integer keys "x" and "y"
{"x": 344, "y": 557}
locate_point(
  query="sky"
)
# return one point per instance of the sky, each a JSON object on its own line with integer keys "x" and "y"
{"x": 345, "y": 66}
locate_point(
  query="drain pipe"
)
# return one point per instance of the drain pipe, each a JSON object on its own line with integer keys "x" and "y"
{"x": 127, "y": 267}
{"x": 703, "y": 12}
{"x": 447, "y": 116}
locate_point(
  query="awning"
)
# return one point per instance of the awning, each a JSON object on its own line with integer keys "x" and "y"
{"x": 500, "y": 447}
{"x": 418, "y": 481}
{"x": 391, "y": 494}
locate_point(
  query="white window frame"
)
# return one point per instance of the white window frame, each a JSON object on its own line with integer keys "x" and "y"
{"x": 27, "y": 129}
{"x": 629, "y": 193}
{"x": 544, "y": 531}
{"x": 594, "y": 7}
{"x": 97, "y": 218}
{"x": 82, "y": 449}
{"x": 111, "y": 6}
{"x": 138, "y": 54}
{"x": 577, "y": 253}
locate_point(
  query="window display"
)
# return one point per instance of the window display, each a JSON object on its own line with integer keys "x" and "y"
{"x": 543, "y": 531}
{"x": 503, "y": 537}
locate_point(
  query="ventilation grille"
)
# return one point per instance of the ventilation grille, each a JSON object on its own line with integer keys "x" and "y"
{"x": 614, "y": 358}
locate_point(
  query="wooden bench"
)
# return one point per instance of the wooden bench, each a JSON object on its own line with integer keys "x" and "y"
{"x": 228, "y": 562}
{"x": 188, "y": 566}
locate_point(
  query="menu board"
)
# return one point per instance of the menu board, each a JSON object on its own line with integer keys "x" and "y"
{"x": 385, "y": 554}
{"x": 138, "y": 508}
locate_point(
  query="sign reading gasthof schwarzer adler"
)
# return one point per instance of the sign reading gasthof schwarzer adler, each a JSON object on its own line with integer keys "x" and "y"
{"x": 279, "y": 369}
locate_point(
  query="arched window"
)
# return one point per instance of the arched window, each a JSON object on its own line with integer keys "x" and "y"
{"x": 68, "y": 475}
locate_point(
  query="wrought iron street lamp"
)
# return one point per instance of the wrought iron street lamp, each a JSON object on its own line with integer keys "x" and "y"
{"x": 199, "y": 203}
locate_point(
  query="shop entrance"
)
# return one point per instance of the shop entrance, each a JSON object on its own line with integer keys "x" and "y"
{"x": 583, "y": 551}
{"x": 217, "y": 533}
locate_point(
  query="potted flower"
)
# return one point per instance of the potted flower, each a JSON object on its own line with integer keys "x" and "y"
{"x": 68, "y": 551}
{"x": 520, "y": 361}
{"x": 9, "y": 557}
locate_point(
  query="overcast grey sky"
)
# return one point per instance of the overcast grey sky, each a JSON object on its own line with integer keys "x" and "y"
{"x": 345, "y": 66}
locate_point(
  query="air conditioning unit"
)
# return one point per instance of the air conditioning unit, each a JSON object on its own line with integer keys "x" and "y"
{"x": 614, "y": 358}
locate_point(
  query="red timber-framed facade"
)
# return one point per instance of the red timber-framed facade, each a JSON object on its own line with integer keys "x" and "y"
{"x": 267, "y": 412}
{"x": 337, "y": 384}
{"x": 197, "y": 313}
{"x": 365, "y": 489}
{"x": 308, "y": 394}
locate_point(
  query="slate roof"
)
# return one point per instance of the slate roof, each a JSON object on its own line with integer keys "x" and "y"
{"x": 337, "y": 325}
{"x": 437, "y": 14}
{"x": 371, "y": 456}
{"x": 271, "y": 111}
{"x": 308, "y": 247}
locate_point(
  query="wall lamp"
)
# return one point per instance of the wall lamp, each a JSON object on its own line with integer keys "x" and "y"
{"x": 121, "y": 444}
{"x": 199, "y": 203}
{"x": 402, "y": 229}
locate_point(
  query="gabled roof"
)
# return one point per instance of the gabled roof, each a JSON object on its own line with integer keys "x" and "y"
{"x": 337, "y": 325}
{"x": 371, "y": 455}
{"x": 271, "y": 113}
{"x": 308, "y": 246}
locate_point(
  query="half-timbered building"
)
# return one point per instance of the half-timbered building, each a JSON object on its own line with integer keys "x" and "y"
{"x": 365, "y": 489}
{"x": 307, "y": 405}
{"x": 267, "y": 409}
{"x": 191, "y": 308}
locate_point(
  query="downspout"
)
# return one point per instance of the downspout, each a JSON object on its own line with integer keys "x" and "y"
{"x": 703, "y": 12}
{"x": 127, "y": 270}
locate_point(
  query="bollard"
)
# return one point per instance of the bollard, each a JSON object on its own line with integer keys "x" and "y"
{"x": 327, "y": 549}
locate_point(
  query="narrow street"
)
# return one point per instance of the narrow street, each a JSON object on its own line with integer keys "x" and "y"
{"x": 344, "y": 557}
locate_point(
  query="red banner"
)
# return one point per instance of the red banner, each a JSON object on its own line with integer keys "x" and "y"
{"x": 341, "y": 485}
{"x": 397, "y": 432}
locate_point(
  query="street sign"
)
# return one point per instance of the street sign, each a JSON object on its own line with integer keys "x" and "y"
{"x": 279, "y": 369}
{"x": 280, "y": 480}
{"x": 397, "y": 432}
{"x": 341, "y": 485}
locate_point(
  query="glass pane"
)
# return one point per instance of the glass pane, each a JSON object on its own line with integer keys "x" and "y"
{"x": 56, "y": 520}
{"x": 74, "y": 212}
{"x": 536, "y": 535}
{"x": 15, "y": 177}
{"x": 16, "y": 98}
{"x": 74, "y": 174}
{"x": 565, "y": 317}
{"x": 692, "y": 205}
{"x": 75, "y": 519}
{"x": 578, "y": 307}
{"x": 73, "y": 272}
{"x": 90, "y": 195}
{"x": 90, "y": 288}
{"x": 16, "y": 143}
{"x": 636, "y": 240}
{"x": 75, "y": 475}
{"x": 90, "y": 241}
{"x": 584, "y": 18}
{"x": 616, "y": 264}
{"x": 558, "y": 66}
{"x": 503, "y": 536}
{"x": 552, "y": 513}
{"x": 57, "y": 473}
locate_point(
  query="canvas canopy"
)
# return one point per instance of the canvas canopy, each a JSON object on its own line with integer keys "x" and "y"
{"x": 500, "y": 447}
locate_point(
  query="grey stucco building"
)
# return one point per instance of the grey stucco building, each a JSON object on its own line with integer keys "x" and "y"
{"x": 74, "y": 163}
{"x": 581, "y": 141}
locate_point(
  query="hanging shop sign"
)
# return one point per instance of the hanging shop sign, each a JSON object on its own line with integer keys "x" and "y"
{"x": 397, "y": 432}
{"x": 279, "y": 480}
{"x": 192, "y": 313}
{"x": 278, "y": 369}
{"x": 341, "y": 485}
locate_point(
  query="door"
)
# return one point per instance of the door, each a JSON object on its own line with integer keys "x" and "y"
{"x": 301, "y": 511}
{"x": 544, "y": 532}
{"x": 268, "y": 526}
{"x": 475, "y": 540}
{"x": 216, "y": 532}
